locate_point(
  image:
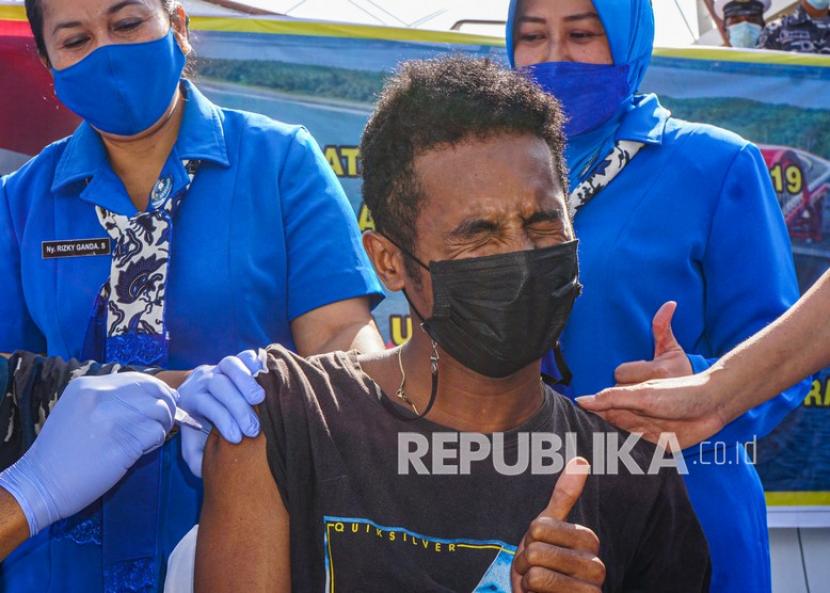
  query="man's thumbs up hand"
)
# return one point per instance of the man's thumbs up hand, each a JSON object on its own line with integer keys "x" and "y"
{"x": 555, "y": 556}
{"x": 669, "y": 358}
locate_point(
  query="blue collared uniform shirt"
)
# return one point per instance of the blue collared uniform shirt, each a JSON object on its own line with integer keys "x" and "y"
{"x": 692, "y": 218}
{"x": 264, "y": 235}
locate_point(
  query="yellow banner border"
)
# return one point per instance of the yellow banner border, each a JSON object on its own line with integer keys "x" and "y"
{"x": 276, "y": 26}
{"x": 308, "y": 28}
{"x": 798, "y": 499}
{"x": 727, "y": 54}
{"x": 12, "y": 13}
{"x": 342, "y": 30}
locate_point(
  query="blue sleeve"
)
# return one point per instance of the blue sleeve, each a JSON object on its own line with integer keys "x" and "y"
{"x": 17, "y": 330}
{"x": 750, "y": 282}
{"x": 326, "y": 259}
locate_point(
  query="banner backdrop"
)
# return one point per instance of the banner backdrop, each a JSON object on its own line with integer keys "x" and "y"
{"x": 327, "y": 76}
{"x": 782, "y": 103}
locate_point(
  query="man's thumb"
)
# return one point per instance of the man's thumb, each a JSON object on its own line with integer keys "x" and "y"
{"x": 664, "y": 340}
{"x": 568, "y": 489}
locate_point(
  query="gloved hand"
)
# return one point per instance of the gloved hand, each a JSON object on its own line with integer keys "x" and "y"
{"x": 99, "y": 429}
{"x": 220, "y": 396}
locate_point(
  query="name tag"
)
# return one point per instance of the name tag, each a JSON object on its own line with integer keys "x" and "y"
{"x": 76, "y": 248}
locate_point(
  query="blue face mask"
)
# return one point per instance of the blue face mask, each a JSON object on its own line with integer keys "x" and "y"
{"x": 744, "y": 34}
{"x": 819, "y": 4}
{"x": 590, "y": 94}
{"x": 123, "y": 88}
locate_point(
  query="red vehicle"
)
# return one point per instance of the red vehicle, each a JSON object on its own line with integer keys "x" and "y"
{"x": 30, "y": 115}
{"x": 802, "y": 181}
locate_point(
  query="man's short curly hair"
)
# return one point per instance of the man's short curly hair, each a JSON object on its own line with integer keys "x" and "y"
{"x": 443, "y": 102}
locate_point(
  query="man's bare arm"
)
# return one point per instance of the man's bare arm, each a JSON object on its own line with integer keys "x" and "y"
{"x": 243, "y": 540}
{"x": 14, "y": 529}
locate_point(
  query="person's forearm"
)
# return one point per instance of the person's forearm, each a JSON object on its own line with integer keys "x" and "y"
{"x": 367, "y": 339}
{"x": 173, "y": 379}
{"x": 362, "y": 336}
{"x": 14, "y": 529}
{"x": 793, "y": 347}
{"x": 342, "y": 326}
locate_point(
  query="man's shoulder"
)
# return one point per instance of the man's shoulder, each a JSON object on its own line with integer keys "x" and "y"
{"x": 589, "y": 426}
{"x": 631, "y": 468}
{"x": 278, "y": 358}
{"x": 323, "y": 381}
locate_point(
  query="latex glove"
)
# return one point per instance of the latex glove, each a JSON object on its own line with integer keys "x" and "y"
{"x": 220, "y": 396}
{"x": 100, "y": 427}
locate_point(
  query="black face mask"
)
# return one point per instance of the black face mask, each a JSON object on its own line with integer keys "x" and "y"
{"x": 497, "y": 314}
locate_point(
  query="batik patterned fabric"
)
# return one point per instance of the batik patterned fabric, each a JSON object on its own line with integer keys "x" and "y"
{"x": 136, "y": 290}
{"x": 797, "y": 32}
{"x": 131, "y": 312}
{"x": 604, "y": 173}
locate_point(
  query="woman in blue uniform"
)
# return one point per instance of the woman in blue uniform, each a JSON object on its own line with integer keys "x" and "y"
{"x": 665, "y": 210}
{"x": 164, "y": 232}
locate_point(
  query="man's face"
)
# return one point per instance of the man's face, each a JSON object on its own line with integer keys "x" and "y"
{"x": 486, "y": 197}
